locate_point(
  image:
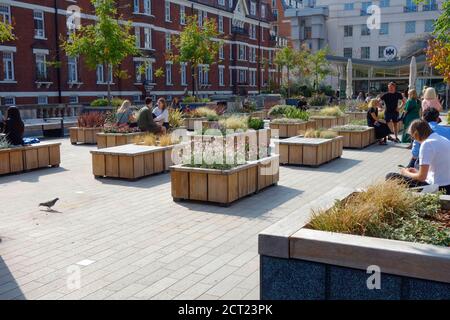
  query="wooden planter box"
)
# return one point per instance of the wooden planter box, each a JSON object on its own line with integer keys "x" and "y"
{"x": 303, "y": 264}
{"x": 223, "y": 186}
{"x": 108, "y": 140}
{"x": 288, "y": 129}
{"x": 131, "y": 161}
{"x": 25, "y": 158}
{"x": 309, "y": 151}
{"x": 189, "y": 123}
{"x": 326, "y": 122}
{"x": 84, "y": 135}
{"x": 261, "y": 114}
{"x": 357, "y": 139}
{"x": 358, "y": 115}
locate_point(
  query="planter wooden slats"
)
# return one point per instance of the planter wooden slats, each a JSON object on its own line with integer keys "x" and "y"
{"x": 189, "y": 123}
{"x": 357, "y": 139}
{"x": 223, "y": 186}
{"x": 327, "y": 122}
{"x": 358, "y": 115}
{"x": 24, "y": 158}
{"x": 108, "y": 140}
{"x": 288, "y": 129}
{"x": 261, "y": 114}
{"x": 131, "y": 161}
{"x": 309, "y": 151}
{"x": 84, "y": 135}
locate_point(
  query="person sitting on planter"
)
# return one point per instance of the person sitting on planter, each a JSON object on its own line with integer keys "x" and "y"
{"x": 382, "y": 131}
{"x": 124, "y": 113}
{"x": 13, "y": 126}
{"x": 145, "y": 120}
{"x": 434, "y": 159}
{"x": 430, "y": 100}
{"x": 161, "y": 113}
{"x": 431, "y": 116}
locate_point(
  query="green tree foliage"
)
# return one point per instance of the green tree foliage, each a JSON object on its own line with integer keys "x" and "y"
{"x": 6, "y": 33}
{"x": 108, "y": 41}
{"x": 320, "y": 67}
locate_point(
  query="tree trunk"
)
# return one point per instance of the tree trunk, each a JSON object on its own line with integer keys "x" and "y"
{"x": 108, "y": 84}
{"x": 193, "y": 80}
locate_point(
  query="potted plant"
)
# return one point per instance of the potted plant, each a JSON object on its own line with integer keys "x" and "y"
{"x": 89, "y": 124}
{"x": 318, "y": 101}
{"x": 357, "y": 111}
{"x": 116, "y": 135}
{"x": 201, "y": 115}
{"x": 290, "y": 121}
{"x": 356, "y": 136}
{"x": 315, "y": 148}
{"x": 330, "y": 117}
{"x": 385, "y": 242}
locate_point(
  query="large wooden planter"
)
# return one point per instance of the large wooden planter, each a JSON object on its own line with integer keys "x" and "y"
{"x": 261, "y": 114}
{"x": 24, "y": 158}
{"x": 309, "y": 151}
{"x": 357, "y": 115}
{"x": 303, "y": 264}
{"x": 108, "y": 140}
{"x": 84, "y": 135}
{"x": 357, "y": 139}
{"x": 327, "y": 122}
{"x": 131, "y": 161}
{"x": 289, "y": 129}
{"x": 223, "y": 186}
{"x": 189, "y": 123}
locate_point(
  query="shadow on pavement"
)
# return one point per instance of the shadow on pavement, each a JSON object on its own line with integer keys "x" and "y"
{"x": 9, "y": 289}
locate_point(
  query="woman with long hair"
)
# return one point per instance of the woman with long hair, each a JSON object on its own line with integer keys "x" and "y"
{"x": 14, "y": 127}
{"x": 430, "y": 100}
{"x": 124, "y": 113}
{"x": 161, "y": 113}
{"x": 412, "y": 112}
{"x": 382, "y": 130}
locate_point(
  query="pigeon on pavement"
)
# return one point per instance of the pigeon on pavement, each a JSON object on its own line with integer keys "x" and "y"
{"x": 49, "y": 204}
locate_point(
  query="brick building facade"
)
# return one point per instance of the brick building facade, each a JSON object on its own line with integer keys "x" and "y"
{"x": 34, "y": 70}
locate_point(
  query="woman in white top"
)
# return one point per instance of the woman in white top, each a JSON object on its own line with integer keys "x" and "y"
{"x": 161, "y": 113}
{"x": 434, "y": 159}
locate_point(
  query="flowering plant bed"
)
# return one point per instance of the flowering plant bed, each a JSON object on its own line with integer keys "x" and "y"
{"x": 223, "y": 186}
{"x": 89, "y": 124}
{"x": 131, "y": 161}
{"x": 355, "y": 136}
{"x": 309, "y": 151}
{"x": 24, "y": 158}
{"x": 291, "y": 127}
{"x": 117, "y": 137}
{"x": 384, "y": 243}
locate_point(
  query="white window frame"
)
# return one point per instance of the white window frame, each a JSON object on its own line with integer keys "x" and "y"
{"x": 137, "y": 34}
{"x": 183, "y": 73}
{"x": 39, "y": 33}
{"x": 169, "y": 73}
{"x": 41, "y": 58}
{"x": 110, "y": 76}
{"x": 136, "y": 6}
{"x": 231, "y": 77}
{"x": 168, "y": 43}
{"x": 148, "y": 7}
{"x": 11, "y": 103}
{"x": 182, "y": 15}
{"x": 263, "y": 11}
{"x": 73, "y": 99}
{"x": 5, "y": 13}
{"x": 221, "y": 52}
{"x": 138, "y": 75}
{"x": 253, "y": 8}
{"x": 221, "y": 76}
{"x": 220, "y": 24}
{"x": 72, "y": 62}
{"x": 148, "y": 38}
{"x": 42, "y": 100}
{"x": 8, "y": 66}
{"x": 221, "y": 2}
{"x": 167, "y": 11}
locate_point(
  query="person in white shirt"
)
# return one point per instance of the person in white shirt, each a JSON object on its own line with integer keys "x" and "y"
{"x": 434, "y": 159}
{"x": 161, "y": 113}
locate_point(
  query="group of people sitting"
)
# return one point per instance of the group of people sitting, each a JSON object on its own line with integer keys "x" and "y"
{"x": 12, "y": 126}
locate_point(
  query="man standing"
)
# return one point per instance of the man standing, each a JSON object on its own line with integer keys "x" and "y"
{"x": 391, "y": 114}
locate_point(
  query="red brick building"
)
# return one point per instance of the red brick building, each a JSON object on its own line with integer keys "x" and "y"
{"x": 33, "y": 69}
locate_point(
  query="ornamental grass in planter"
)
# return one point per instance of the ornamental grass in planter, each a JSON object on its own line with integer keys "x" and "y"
{"x": 356, "y": 136}
{"x": 357, "y": 111}
{"x": 291, "y": 121}
{"x": 89, "y": 124}
{"x": 330, "y": 117}
{"x": 202, "y": 114}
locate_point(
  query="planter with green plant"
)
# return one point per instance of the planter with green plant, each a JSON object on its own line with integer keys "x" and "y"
{"x": 315, "y": 148}
{"x": 356, "y": 136}
{"x": 330, "y": 117}
{"x": 115, "y": 135}
{"x": 290, "y": 121}
{"x": 357, "y": 111}
{"x": 89, "y": 124}
{"x": 386, "y": 242}
{"x": 318, "y": 101}
{"x": 201, "y": 116}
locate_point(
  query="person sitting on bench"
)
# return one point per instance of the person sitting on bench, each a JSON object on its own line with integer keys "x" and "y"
{"x": 13, "y": 126}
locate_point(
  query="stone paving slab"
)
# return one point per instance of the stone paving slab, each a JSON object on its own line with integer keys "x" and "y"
{"x": 142, "y": 245}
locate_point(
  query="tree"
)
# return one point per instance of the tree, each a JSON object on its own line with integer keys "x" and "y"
{"x": 286, "y": 58}
{"x": 197, "y": 45}
{"x": 320, "y": 67}
{"x": 6, "y": 32}
{"x": 106, "y": 42}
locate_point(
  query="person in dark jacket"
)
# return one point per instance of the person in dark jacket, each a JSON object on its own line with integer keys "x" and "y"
{"x": 13, "y": 126}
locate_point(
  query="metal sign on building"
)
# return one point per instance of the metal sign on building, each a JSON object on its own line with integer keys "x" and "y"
{"x": 390, "y": 53}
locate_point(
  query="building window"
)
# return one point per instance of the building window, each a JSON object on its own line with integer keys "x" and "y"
{"x": 9, "y": 101}
{"x": 429, "y": 25}
{"x": 42, "y": 100}
{"x": 348, "y": 31}
{"x": 137, "y": 34}
{"x": 149, "y": 72}
{"x": 253, "y": 8}
{"x": 411, "y": 6}
{"x": 147, "y": 7}
{"x": 384, "y": 28}
{"x": 41, "y": 67}
{"x": 183, "y": 74}
{"x": 252, "y": 76}
{"x": 73, "y": 69}
{"x": 167, "y": 11}
{"x": 231, "y": 77}
{"x": 182, "y": 15}
{"x": 100, "y": 74}
{"x": 262, "y": 33}
{"x": 168, "y": 73}
{"x": 8, "y": 66}
{"x": 202, "y": 15}
{"x": 147, "y": 38}
{"x": 242, "y": 76}
{"x": 365, "y": 53}
{"x": 263, "y": 11}
{"x": 203, "y": 75}
{"x": 252, "y": 31}
{"x": 220, "y": 24}
{"x": 39, "y": 29}
{"x": 308, "y": 32}
{"x": 348, "y": 52}
{"x": 381, "y": 52}
{"x": 136, "y": 6}
{"x": 73, "y": 99}
{"x": 430, "y": 5}
{"x": 221, "y": 53}
{"x": 231, "y": 52}
{"x": 364, "y": 7}
{"x": 137, "y": 71}
{"x": 349, "y": 6}
{"x": 365, "y": 31}
{"x": 385, "y": 3}
{"x": 221, "y": 2}
{"x": 242, "y": 52}
{"x": 5, "y": 13}
{"x": 168, "y": 42}
{"x": 230, "y": 3}
{"x": 410, "y": 27}
{"x": 221, "y": 76}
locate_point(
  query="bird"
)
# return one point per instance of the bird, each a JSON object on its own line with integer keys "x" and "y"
{"x": 49, "y": 204}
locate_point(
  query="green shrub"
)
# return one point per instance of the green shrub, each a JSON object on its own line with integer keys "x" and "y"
{"x": 4, "y": 143}
{"x": 279, "y": 110}
{"x": 296, "y": 114}
{"x": 331, "y": 112}
{"x": 320, "y": 133}
{"x": 115, "y": 102}
{"x": 234, "y": 123}
{"x": 255, "y": 123}
{"x": 318, "y": 100}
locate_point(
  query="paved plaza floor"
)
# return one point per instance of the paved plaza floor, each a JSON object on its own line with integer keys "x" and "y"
{"x": 129, "y": 240}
